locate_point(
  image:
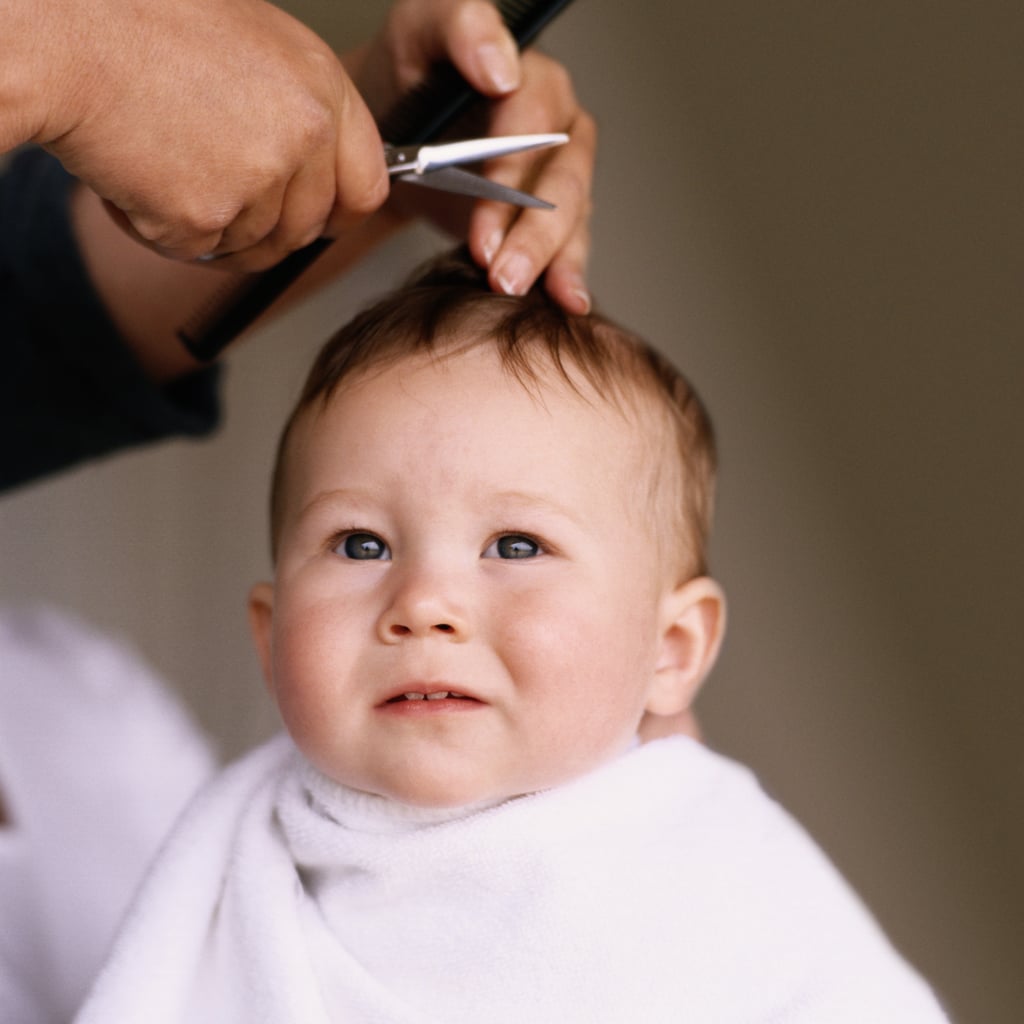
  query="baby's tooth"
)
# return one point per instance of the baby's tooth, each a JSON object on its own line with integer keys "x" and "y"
{"x": 440, "y": 695}
{"x": 413, "y": 696}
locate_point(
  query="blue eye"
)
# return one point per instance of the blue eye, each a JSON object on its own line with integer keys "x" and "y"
{"x": 513, "y": 545}
{"x": 363, "y": 547}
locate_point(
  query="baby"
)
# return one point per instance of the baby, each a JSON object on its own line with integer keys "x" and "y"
{"x": 489, "y": 524}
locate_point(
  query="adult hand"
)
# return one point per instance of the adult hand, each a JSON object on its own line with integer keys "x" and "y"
{"x": 529, "y": 94}
{"x": 209, "y": 126}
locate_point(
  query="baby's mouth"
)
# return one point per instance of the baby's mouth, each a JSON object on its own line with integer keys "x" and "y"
{"x": 433, "y": 695}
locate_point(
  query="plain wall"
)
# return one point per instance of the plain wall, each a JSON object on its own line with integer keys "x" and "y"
{"x": 815, "y": 209}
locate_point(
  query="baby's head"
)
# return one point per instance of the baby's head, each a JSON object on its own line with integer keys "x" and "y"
{"x": 489, "y": 522}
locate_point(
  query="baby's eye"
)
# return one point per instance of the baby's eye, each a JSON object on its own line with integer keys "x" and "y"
{"x": 362, "y": 546}
{"x": 513, "y": 545}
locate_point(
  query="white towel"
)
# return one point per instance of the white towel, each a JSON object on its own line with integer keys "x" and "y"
{"x": 665, "y": 887}
{"x": 97, "y": 759}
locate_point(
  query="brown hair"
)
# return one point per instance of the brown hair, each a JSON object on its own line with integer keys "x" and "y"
{"x": 448, "y": 306}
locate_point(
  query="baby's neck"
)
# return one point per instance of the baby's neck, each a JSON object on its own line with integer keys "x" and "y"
{"x": 371, "y": 812}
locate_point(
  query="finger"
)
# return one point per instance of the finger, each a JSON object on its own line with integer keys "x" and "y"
{"x": 302, "y": 218}
{"x": 537, "y": 238}
{"x": 546, "y": 102}
{"x": 326, "y": 197}
{"x": 482, "y": 48}
{"x": 252, "y": 225}
{"x": 469, "y": 33}
{"x": 361, "y": 177}
{"x": 344, "y": 183}
{"x": 566, "y": 278}
{"x": 193, "y": 248}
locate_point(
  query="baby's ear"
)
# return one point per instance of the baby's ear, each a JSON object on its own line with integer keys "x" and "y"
{"x": 261, "y": 618}
{"x": 692, "y": 627}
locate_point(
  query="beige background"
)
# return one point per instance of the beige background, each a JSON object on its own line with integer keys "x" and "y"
{"x": 815, "y": 207}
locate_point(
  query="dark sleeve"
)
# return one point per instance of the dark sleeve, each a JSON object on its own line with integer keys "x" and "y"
{"x": 69, "y": 388}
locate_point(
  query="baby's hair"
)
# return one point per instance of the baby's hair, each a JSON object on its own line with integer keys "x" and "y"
{"x": 447, "y": 306}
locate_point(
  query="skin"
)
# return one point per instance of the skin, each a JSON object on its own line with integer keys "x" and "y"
{"x": 148, "y": 295}
{"x": 227, "y": 127}
{"x": 556, "y": 655}
{"x": 209, "y": 125}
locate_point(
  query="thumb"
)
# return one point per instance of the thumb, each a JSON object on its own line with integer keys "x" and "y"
{"x": 361, "y": 174}
{"x": 469, "y": 33}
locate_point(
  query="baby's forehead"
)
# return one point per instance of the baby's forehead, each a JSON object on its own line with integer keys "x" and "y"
{"x": 476, "y": 426}
{"x": 545, "y": 374}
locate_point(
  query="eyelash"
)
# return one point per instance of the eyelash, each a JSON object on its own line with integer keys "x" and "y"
{"x": 541, "y": 548}
{"x": 338, "y": 540}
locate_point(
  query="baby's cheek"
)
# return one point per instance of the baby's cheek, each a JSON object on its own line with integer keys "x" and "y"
{"x": 300, "y": 649}
{"x": 532, "y": 622}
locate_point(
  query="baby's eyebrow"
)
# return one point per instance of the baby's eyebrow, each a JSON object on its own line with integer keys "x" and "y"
{"x": 335, "y": 496}
{"x": 505, "y": 502}
{"x": 528, "y": 501}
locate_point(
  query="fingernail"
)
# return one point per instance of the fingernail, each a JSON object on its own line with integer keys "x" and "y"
{"x": 500, "y": 67}
{"x": 514, "y": 275}
{"x": 583, "y": 297}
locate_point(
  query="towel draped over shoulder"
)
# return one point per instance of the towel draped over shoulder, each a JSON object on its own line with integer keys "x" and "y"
{"x": 664, "y": 887}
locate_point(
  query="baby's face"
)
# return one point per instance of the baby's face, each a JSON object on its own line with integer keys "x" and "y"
{"x": 468, "y": 603}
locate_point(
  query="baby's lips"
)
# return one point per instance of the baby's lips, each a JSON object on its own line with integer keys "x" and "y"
{"x": 417, "y": 691}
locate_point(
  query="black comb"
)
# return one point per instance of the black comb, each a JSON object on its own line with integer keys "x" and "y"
{"x": 418, "y": 117}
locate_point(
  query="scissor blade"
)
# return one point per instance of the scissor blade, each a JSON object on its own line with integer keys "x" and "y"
{"x": 471, "y": 150}
{"x": 454, "y": 179}
{"x": 403, "y": 160}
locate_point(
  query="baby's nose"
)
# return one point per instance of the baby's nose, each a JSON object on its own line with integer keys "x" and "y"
{"x": 400, "y": 629}
{"x": 422, "y": 607}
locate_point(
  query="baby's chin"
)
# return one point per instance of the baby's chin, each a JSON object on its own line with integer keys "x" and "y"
{"x": 445, "y": 797}
{"x": 457, "y": 784}
{"x": 450, "y": 796}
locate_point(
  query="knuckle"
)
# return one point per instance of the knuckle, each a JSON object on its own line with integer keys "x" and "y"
{"x": 150, "y": 230}
{"x": 314, "y": 125}
{"x": 207, "y": 220}
{"x": 572, "y": 191}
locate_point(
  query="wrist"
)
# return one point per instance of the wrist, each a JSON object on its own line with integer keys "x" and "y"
{"x": 23, "y": 75}
{"x": 49, "y": 55}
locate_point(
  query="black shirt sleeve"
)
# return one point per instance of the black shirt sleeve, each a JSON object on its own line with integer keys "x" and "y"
{"x": 69, "y": 388}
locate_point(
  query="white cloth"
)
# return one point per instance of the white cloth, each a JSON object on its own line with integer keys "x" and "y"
{"x": 97, "y": 760}
{"x": 665, "y": 887}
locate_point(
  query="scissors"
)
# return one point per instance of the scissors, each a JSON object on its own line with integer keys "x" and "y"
{"x": 436, "y": 166}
